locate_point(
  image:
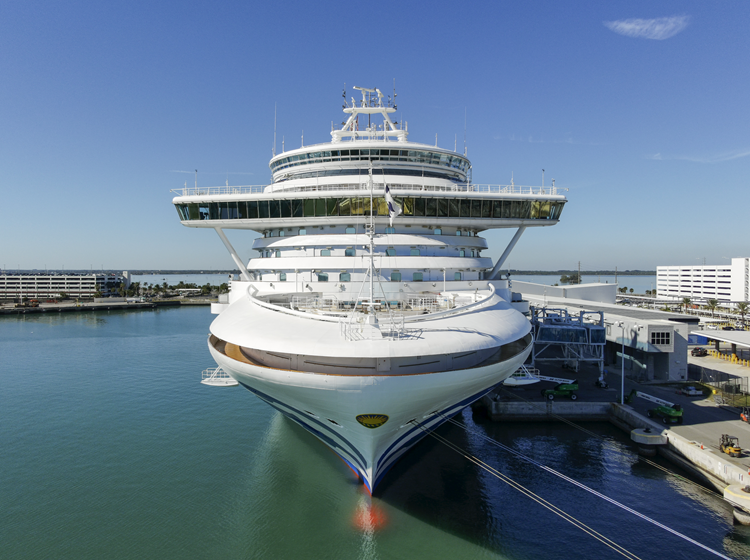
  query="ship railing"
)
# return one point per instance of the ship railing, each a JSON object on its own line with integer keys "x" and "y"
{"x": 480, "y": 301}
{"x": 217, "y": 377}
{"x": 393, "y": 326}
{"x": 354, "y": 327}
{"x": 395, "y": 187}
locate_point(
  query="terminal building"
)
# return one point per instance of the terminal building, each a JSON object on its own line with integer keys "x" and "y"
{"x": 724, "y": 283}
{"x": 50, "y": 286}
{"x": 649, "y": 345}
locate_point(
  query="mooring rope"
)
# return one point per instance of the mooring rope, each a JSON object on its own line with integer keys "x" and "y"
{"x": 528, "y": 493}
{"x": 578, "y": 484}
{"x": 599, "y": 436}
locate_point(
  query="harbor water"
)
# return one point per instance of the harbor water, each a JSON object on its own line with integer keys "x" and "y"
{"x": 111, "y": 448}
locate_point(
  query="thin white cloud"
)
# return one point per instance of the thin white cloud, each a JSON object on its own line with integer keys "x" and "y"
{"x": 716, "y": 158}
{"x": 531, "y": 140}
{"x": 658, "y": 29}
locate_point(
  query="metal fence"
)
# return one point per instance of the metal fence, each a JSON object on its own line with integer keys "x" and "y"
{"x": 729, "y": 389}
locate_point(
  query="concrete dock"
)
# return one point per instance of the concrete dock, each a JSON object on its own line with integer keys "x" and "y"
{"x": 693, "y": 445}
{"x": 73, "y": 307}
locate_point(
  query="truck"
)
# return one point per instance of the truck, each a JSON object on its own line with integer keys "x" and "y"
{"x": 670, "y": 413}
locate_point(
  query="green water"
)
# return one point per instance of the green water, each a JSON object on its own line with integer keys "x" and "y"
{"x": 111, "y": 448}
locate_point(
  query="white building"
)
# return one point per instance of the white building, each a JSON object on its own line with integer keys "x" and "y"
{"x": 52, "y": 285}
{"x": 724, "y": 283}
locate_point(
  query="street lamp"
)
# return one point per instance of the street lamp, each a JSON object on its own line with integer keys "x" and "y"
{"x": 621, "y": 324}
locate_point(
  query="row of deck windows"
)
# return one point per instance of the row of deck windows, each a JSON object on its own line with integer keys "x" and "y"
{"x": 347, "y": 277}
{"x": 352, "y": 229}
{"x": 374, "y": 154}
{"x": 389, "y": 252}
{"x": 360, "y": 206}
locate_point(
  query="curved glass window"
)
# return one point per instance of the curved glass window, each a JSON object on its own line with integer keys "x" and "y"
{"x": 422, "y": 206}
{"x": 451, "y": 161}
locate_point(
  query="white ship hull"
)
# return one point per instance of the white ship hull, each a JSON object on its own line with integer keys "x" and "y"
{"x": 414, "y": 405}
{"x": 369, "y": 314}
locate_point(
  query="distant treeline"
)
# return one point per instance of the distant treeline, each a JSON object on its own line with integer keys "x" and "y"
{"x": 584, "y": 272}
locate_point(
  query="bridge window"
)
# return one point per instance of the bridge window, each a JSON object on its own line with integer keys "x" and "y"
{"x": 360, "y": 206}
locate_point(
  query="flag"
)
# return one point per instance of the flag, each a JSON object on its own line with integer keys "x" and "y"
{"x": 393, "y": 208}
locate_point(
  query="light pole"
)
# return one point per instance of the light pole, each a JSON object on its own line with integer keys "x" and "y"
{"x": 621, "y": 324}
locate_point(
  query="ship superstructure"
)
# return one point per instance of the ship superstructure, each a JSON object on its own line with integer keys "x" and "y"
{"x": 369, "y": 313}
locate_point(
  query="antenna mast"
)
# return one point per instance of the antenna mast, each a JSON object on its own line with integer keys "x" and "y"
{"x": 464, "y": 131}
{"x": 274, "y": 130}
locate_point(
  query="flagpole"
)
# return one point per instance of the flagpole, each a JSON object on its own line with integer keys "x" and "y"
{"x": 371, "y": 233}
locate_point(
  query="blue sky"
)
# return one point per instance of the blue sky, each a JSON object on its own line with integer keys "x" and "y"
{"x": 640, "y": 109}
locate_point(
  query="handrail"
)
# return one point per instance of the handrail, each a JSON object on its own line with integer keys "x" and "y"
{"x": 395, "y": 188}
{"x": 335, "y": 318}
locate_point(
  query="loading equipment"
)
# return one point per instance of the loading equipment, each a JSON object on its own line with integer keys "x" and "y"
{"x": 669, "y": 413}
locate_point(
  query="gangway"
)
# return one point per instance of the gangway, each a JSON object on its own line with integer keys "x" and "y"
{"x": 570, "y": 339}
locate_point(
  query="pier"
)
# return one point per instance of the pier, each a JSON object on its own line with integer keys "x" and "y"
{"x": 79, "y": 307}
{"x": 692, "y": 445}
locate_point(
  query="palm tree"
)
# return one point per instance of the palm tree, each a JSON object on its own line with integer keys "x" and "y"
{"x": 712, "y": 304}
{"x": 685, "y": 303}
{"x": 742, "y": 309}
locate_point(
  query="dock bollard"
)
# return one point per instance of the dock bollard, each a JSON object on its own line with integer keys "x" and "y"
{"x": 647, "y": 441}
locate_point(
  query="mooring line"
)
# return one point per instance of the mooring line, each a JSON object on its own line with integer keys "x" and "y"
{"x": 528, "y": 493}
{"x": 583, "y": 487}
{"x": 640, "y": 458}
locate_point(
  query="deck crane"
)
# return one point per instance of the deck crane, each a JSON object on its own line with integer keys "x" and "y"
{"x": 669, "y": 413}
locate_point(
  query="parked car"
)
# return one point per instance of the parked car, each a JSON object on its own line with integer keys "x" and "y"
{"x": 690, "y": 391}
{"x": 699, "y": 351}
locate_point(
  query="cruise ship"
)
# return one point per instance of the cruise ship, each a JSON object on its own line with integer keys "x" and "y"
{"x": 369, "y": 314}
